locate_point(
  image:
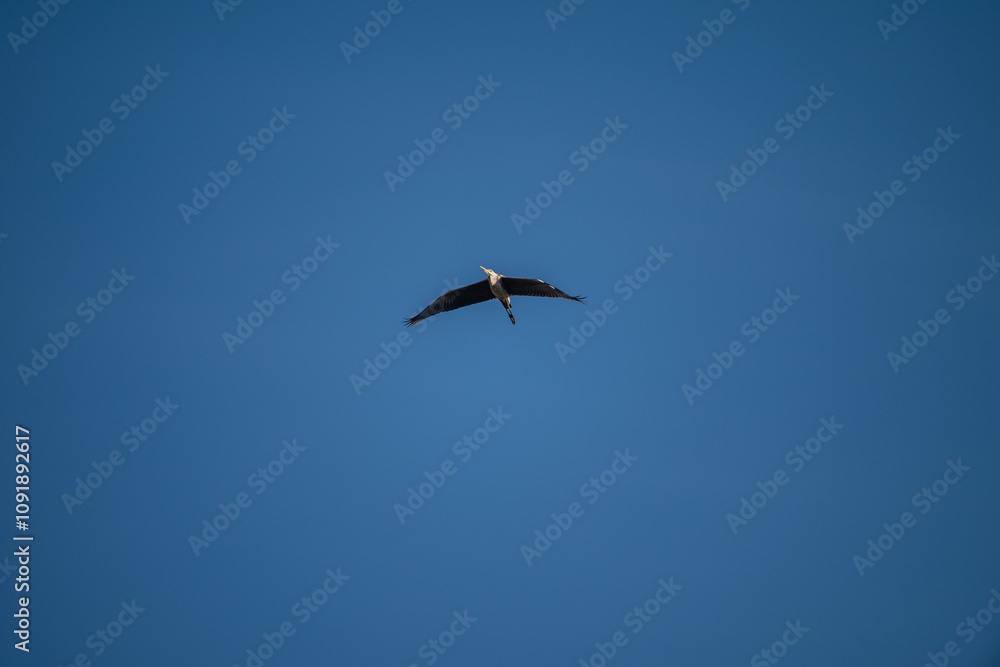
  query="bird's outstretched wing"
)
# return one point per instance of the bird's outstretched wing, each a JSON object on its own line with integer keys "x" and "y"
{"x": 536, "y": 287}
{"x": 456, "y": 298}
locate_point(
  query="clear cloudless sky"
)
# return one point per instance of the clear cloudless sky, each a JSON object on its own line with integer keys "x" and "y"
{"x": 769, "y": 437}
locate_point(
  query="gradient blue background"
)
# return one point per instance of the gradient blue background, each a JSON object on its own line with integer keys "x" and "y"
{"x": 323, "y": 177}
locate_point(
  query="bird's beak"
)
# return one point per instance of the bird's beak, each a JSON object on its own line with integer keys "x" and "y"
{"x": 484, "y": 268}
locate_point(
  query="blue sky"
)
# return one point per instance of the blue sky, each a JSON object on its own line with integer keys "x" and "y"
{"x": 769, "y": 436}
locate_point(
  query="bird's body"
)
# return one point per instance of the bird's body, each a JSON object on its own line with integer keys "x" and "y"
{"x": 495, "y": 286}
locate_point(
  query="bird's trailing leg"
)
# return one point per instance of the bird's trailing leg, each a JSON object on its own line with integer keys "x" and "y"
{"x": 504, "y": 300}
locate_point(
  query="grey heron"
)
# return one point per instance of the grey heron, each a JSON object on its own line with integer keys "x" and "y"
{"x": 495, "y": 286}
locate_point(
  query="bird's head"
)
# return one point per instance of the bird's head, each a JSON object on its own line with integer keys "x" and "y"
{"x": 489, "y": 272}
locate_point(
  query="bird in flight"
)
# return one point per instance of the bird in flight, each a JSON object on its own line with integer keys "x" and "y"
{"x": 496, "y": 285}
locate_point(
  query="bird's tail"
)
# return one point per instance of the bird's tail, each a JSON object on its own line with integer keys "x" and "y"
{"x": 511, "y": 313}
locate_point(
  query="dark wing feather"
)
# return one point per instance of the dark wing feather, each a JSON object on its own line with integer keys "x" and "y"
{"x": 456, "y": 298}
{"x": 535, "y": 287}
